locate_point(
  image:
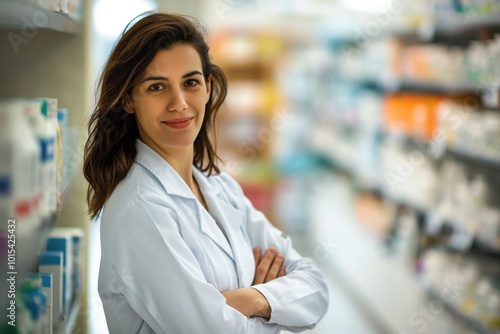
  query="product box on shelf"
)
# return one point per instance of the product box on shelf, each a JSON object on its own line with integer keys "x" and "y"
{"x": 52, "y": 262}
{"x": 19, "y": 153}
{"x": 76, "y": 235}
{"x": 61, "y": 240}
{"x": 46, "y": 321}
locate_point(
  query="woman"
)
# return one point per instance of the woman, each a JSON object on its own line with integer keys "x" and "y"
{"x": 181, "y": 245}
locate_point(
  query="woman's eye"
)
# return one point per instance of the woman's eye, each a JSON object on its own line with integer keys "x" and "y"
{"x": 191, "y": 83}
{"x": 155, "y": 87}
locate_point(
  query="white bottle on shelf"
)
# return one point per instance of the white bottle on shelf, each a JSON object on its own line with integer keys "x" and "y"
{"x": 50, "y": 114}
{"x": 19, "y": 152}
{"x": 46, "y": 141}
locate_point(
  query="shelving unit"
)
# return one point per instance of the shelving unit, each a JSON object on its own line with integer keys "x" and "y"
{"x": 432, "y": 87}
{"x": 249, "y": 109}
{"x": 420, "y": 87}
{"x": 15, "y": 15}
{"x": 468, "y": 321}
{"x": 368, "y": 258}
{"x": 474, "y": 158}
{"x": 464, "y": 25}
{"x": 52, "y": 61}
{"x": 345, "y": 169}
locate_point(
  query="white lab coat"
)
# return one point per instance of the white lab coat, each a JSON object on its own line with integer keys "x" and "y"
{"x": 165, "y": 260}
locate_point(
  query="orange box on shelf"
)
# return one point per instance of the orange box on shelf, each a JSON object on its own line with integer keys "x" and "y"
{"x": 411, "y": 114}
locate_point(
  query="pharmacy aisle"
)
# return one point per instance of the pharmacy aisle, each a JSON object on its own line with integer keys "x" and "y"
{"x": 406, "y": 124}
{"x": 387, "y": 131}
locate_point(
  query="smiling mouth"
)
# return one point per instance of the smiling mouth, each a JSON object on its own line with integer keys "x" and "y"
{"x": 179, "y": 123}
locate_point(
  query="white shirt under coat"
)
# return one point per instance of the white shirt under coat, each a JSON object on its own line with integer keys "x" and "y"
{"x": 165, "y": 260}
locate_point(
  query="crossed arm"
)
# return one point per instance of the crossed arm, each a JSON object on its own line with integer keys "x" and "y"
{"x": 249, "y": 301}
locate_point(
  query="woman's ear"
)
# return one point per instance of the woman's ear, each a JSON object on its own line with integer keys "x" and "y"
{"x": 128, "y": 104}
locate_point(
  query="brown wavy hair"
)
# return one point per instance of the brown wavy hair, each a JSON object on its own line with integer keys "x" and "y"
{"x": 110, "y": 149}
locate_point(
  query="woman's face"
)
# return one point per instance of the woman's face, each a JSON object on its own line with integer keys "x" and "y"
{"x": 169, "y": 100}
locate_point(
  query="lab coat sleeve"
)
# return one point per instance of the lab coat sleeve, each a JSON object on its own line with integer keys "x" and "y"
{"x": 299, "y": 299}
{"x": 162, "y": 281}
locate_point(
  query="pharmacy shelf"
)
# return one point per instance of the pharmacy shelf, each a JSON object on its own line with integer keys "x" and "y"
{"x": 17, "y": 14}
{"x": 434, "y": 87}
{"x": 31, "y": 243}
{"x": 465, "y": 155}
{"x": 477, "y": 245}
{"x": 464, "y": 25}
{"x": 360, "y": 254}
{"x": 65, "y": 195}
{"x": 67, "y": 325}
{"x": 406, "y": 85}
{"x": 479, "y": 159}
{"x": 470, "y": 322}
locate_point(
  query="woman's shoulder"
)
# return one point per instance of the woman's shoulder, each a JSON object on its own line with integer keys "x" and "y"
{"x": 224, "y": 181}
{"x": 138, "y": 186}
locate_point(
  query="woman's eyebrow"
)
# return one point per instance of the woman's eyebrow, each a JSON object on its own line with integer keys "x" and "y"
{"x": 160, "y": 78}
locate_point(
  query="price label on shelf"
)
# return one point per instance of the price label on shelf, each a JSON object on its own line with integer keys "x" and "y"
{"x": 461, "y": 239}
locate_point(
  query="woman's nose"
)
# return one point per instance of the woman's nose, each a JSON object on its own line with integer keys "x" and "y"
{"x": 177, "y": 102}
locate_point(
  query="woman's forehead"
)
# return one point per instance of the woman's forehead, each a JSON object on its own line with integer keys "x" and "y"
{"x": 176, "y": 61}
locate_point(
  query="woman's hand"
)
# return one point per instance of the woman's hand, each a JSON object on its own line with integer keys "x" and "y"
{"x": 270, "y": 267}
{"x": 248, "y": 301}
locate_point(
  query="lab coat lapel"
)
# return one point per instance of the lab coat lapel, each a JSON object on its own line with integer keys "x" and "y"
{"x": 211, "y": 229}
{"x": 208, "y": 227}
{"x": 231, "y": 219}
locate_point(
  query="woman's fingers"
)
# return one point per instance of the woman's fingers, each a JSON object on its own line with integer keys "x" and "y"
{"x": 275, "y": 268}
{"x": 264, "y": 265}
{"x": 282, "y": 272}
{"x": 257, "y": 252}
{"x": 270, "y": 267}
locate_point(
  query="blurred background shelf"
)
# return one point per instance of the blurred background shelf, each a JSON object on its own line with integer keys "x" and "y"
{"x": 17, "y": 14}
{"x": 464, "y": 25}
{"x": 471, "y": 323}
{"x": 433, "y": 87}
{"x": 472, "y": 157}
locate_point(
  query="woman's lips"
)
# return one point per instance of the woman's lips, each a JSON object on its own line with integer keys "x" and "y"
{"x": 179, "y": 123}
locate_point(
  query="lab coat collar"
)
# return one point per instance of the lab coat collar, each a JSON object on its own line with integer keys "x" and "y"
{"x": 228, "y": 216}
{"x": 166, "y": 174}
